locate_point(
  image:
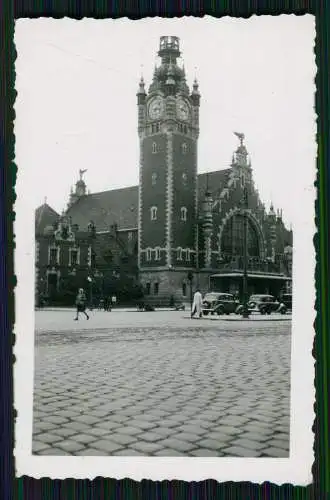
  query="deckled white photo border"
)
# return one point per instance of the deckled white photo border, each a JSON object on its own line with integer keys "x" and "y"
{"x": 295, "y": 470}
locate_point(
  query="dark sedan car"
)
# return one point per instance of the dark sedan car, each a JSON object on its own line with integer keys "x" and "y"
{"x": 219, "y": 303}
{"x": 286, "y": 300}
{"x": 263, "y": 304}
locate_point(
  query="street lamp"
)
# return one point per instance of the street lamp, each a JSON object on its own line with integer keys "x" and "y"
{"x": 245, "y": 312}
{"x": 190, "y": 279}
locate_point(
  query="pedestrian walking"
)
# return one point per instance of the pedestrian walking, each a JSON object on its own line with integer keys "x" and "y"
{"x": 197, "y": 304}
{"x": 81, "y": 302}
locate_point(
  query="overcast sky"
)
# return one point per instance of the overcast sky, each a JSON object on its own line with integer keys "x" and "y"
{"x": 76, "y": 105}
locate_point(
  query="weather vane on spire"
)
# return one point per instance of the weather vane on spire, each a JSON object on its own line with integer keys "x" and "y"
{"x": 81, "y": 173}
{"x": 241, "y": 136}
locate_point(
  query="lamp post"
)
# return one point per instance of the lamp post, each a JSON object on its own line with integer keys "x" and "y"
{"x": 245, "y": 312}
{"x": 190, "y": 278}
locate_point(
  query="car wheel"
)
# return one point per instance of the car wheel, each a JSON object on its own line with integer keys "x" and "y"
{"x": 263, "y": 311}
{"x": 220, "y": 312}
{"x": 283, "y": 310}
{"x": 205, "y": 313}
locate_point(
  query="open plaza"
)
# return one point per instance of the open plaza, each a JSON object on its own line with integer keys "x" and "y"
{"x": 158, "y": 383}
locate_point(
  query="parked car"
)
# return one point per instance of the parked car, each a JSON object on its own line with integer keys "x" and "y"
{"x": 286, "y": 301}
{"x": 264, "y": 304}
{"x": 219, "y": 303}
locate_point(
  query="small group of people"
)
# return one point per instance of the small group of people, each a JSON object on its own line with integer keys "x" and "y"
{"x": 107, "y": 303}
{"x": 81, "y": 303}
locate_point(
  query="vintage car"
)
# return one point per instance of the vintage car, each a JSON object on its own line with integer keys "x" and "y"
{"x": 286, "y": 302}
{"x": 219, "y": 303}
{"x": 263, "y": 304}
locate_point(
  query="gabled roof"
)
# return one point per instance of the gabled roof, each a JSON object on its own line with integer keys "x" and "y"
{"x": 44, "y": 216}
{"x": 118, "y": 206}
{"x": 214, "y": 180}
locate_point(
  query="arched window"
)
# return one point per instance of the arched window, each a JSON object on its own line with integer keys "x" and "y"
{"x": 154, "y": 179}
{"x": 183, "y": 213}
{"x": 232, "y": 242}
{"x": 184, "y": 148}
{"x": 153, "y": 213}
{"x": 179, "y": 254}
{"x": 154, "y": 147}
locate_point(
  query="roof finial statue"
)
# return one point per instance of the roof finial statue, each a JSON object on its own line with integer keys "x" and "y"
{"x": 45, "y": 200}
{"x": 241, "y": 136}
{"x": 81, "y": 173}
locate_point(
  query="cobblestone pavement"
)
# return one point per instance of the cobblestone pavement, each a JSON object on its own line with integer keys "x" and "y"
{"x": 161, "y": 384}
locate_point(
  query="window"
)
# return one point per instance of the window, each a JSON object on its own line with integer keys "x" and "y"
{"x": 153, "y": 179}
{"x": 73, "y": 256}
{"x": 154, "y": 147}
{"x": 184, "y": 179}
{"x": 184, "y": 289}
{"x": 147, "y": 288}
{"x": 232, "y": 242}
{"x": 184, "y": 254}
{"x": 183, "y": 214}
{"x": 184, "y": 148}
{"x": 53, "y": 256}
{"x": 148, "y": 253}
{"x": 179, "y": 254}
{"x": 156, "y": 288}
{"x": 155, "y": 127}
{"x": 157, "y": 254}
{"x": 153, "y": 213}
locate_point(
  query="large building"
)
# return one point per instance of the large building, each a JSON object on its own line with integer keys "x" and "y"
{"x": 176, "y": 225}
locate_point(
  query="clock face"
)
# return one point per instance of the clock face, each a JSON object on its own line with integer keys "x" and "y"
{"x": 183, "y": 110}
{"x": 156, "y": 108}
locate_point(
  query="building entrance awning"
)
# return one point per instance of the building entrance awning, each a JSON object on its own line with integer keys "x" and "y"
{"x": 253, "y": 275}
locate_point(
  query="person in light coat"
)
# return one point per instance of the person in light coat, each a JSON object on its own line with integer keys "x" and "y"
{"x": 197, "y": 304}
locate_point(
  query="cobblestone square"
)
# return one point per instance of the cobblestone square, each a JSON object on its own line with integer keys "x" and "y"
{"x": 161, "y": 384}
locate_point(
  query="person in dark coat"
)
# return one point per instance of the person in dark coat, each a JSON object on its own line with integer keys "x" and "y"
{"x": 81, "y": 302}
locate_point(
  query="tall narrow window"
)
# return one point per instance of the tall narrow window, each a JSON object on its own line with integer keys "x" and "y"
{"x": 154, "y": 147}
{"x": 184, "y": 179}
{"x": 184, "y": 148}
{"x": 184, "y": 289}
{"x": 154, "y": 179}
{"x": 73, "y": 256}
{"x": 148, "y": 254}
{"x": 53, "y": 256}
{"x": 157, "y": 253}
{"x": 156, "y": 288}
{"x": 183, "y": 214}
{"x": 147, "y": 288}
{"x": 179, "y": 254}
{"x": 153, "y": 213}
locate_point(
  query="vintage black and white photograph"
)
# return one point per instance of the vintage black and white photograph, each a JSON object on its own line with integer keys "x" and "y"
{"x": 165, "y": 260}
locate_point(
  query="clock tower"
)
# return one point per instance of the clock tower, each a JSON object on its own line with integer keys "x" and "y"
{"x": 168, "y": 127}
